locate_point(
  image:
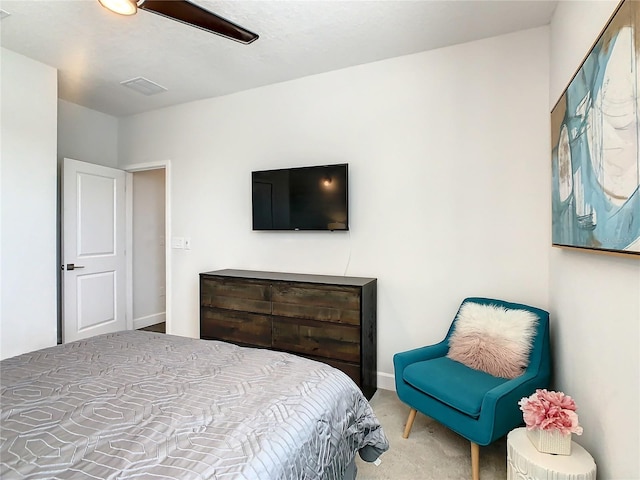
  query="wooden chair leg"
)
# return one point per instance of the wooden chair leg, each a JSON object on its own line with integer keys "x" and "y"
{"x": 412, "y": 417}
{"x": 475, "y": 461}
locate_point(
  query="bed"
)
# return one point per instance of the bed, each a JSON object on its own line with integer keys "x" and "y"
{"x": 138, "y": 405}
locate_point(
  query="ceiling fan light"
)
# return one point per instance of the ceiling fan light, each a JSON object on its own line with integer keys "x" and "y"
{"x": 122, "y": 7}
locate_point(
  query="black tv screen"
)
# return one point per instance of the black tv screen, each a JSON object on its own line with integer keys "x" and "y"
{"x": 304, "y": 198}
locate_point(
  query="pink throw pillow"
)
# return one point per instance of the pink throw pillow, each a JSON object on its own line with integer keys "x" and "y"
{"x": 493, "y": 339}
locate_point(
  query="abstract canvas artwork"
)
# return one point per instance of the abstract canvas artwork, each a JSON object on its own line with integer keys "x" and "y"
{"x": 595, "y": 129}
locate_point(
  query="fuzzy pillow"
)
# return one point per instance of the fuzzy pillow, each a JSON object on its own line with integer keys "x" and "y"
{"x": 493, "y": 339}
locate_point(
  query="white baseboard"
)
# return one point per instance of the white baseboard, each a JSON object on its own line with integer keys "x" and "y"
{"x": 386, "y": 381}
{"x": 148, "y": 320}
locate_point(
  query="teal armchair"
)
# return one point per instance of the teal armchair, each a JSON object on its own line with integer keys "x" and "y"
{"x": 478, "y": 406}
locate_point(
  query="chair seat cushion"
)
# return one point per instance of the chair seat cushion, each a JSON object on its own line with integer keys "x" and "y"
{"x": 452, "y": 383}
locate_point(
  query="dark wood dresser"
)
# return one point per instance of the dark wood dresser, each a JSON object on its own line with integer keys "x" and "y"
{"x": 327, "y": 318}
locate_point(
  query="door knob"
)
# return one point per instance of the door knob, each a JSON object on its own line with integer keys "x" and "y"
{"x": 71, "y": 266}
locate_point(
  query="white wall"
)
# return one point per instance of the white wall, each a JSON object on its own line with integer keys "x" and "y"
{"x": 595, "y": 299}
{"x": 28, "y": 203}
{"x": 148, "y": 247}
{"x": 87, "y": 135}
{"x": 449, "y": 183}
{"x": 449, "y": 160}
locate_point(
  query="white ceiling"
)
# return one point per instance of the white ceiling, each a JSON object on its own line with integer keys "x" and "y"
{"x": 94, "y": 49}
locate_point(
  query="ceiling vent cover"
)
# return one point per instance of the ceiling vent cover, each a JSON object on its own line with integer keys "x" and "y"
{"x": 143, "y": 86}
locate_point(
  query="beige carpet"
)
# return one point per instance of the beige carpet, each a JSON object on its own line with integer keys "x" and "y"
{"x": 431, "y": 451}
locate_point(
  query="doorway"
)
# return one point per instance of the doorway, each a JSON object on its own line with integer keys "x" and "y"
{"x": 147, "y": 253}
{"x": 147, "y": 291}
{"x": 148, "y": 234}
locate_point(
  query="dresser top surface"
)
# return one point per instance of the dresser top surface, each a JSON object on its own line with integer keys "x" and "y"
{"x": 292, "y": 277}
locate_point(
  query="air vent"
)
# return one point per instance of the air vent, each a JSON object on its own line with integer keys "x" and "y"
{"x": 3, "y": 14}
{"x": 143, "y": 86}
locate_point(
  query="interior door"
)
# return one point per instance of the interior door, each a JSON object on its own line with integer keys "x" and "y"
{"x": 93, "y": 211}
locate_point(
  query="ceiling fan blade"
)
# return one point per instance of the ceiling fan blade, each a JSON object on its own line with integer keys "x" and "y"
{"x": 186, "y": 12}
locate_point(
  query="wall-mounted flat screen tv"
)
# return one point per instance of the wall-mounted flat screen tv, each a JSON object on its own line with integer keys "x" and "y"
{"x": 303, "y": 198}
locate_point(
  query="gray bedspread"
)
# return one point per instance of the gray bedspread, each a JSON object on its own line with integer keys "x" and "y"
{"x": 139, "y": 405}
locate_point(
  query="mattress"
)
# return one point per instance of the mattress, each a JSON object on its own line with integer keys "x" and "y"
{"x": 144, "y": 405}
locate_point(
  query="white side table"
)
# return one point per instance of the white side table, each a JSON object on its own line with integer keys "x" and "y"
{"x": 525, "y": 462}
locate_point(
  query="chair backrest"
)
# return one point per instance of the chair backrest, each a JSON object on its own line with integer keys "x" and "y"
{"x": 539, "y": 357}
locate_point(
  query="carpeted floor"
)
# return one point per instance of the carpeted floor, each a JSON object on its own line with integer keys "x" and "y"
{"x": 432, "y": 452}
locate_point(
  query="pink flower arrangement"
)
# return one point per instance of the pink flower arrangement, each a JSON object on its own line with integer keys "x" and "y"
{"x": 545, "y": 410}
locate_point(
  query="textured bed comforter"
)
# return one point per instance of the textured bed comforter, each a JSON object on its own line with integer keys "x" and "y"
{"x": 144, "y": 405}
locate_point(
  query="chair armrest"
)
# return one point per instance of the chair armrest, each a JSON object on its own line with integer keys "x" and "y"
{"x": 524, "y": 385}
{"x": 403, "y": 359}
{"x": 521, "y": 386}
{"x": 505, "y": 397}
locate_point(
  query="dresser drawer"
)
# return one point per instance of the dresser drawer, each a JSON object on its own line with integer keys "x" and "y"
{"x": 233, "y": 294}
{"x": 317, "y": 302}
{"x": 331, "y": 319}
{"x": 236, "y": 327}
{"x": 339, "y": 342}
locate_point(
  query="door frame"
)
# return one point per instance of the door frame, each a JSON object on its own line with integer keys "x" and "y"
{"x": 130, "y": 169}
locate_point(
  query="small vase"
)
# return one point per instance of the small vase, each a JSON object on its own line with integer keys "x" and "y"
{"x": 550, "y": 441}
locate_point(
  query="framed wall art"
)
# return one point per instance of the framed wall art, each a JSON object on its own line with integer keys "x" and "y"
{"x": 595, "y": 128}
